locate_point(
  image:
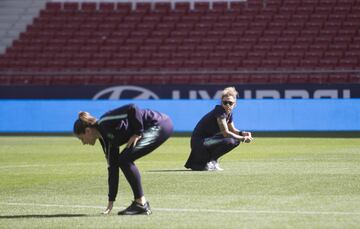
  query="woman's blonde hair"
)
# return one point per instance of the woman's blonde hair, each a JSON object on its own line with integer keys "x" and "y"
{"x": 229, "y": 91}
{"x": 87, "y": 117}
{"x": 85, "y": 120}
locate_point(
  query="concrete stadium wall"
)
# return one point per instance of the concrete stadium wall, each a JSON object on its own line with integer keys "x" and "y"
{"x": 58, "y": 116}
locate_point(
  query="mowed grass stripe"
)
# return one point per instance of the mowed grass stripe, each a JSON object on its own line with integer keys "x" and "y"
{"x": 226, "y": 211}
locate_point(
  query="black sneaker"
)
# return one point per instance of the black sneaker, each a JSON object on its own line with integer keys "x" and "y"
{"x": 136, "y": 209}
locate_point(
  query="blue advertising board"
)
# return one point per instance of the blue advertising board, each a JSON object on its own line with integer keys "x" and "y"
{"x": 58, "y": 116}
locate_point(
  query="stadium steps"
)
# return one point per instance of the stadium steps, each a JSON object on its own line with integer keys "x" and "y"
{"x": 15, "y": 15}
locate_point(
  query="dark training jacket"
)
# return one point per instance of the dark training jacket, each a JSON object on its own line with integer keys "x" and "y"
{"x": 116, "y": 127}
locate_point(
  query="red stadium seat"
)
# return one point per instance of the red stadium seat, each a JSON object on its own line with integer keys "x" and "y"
{"x": 115, "y": 64}
{"x": 270, "y": 63}
{"x": 143, "y": 7}
{"x": 76, "y": 64}
{"x": 71, "y": 6}
{"x": 100, "y": 80}
{"x": 219, "y": 79}
{"x": 60, "y": 80}
{"x": 88, "y": 6}
{"x": 354, "y": 78}
{"x": 338, "y": 78}
{"x": 211, "y": 63}
{"x": 96, "y": 65}
{"x": 180, "y": 79}
{"x": 173, "y": 64}
{"x": 160, "y": 79}
{"x": 278, "y": 78}
{"x": 80, "y": 80}
{"x": 41, "y": 80}
{"x": 123, "y": 7}
{"x": 237, "y": 6}
{"x": 220, "y": 7}
{"x": 259, "y": 78}
{"x": 239, "y": 79}
{"x": 199, "y": 79}
{"x": 121, "y": 80}
{"x": 141, "y": 79}
{"x": 309, "y": 63}
{"x": 182, "y": 7}
{"x": 134, "y": 64}
{"x": 201, "y": 55}
{"x": 160, "y": 56}
{"x": 192, "y": 63}
{"x": 349, "y": 63}
{"x": 21, "y": 80}
{"x": 162, "y": 7}
{"x": 298, "y": 78}
{"x": 5, "y": 80}
{"x": 107, "y": 6}
{"x": 328, "y": 63}
{"x": 289, "y": 63}
{"x": 318, "y": 78}
{"x": 230, "y": 64}
{"x": 201, "y": 6}
{"x": 53, "y": 6}
{"x": 154, "y": 64}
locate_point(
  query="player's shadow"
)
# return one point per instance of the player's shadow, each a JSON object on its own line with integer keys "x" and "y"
{"x": 43, "y": 216}
{"x": 168, "y": 170}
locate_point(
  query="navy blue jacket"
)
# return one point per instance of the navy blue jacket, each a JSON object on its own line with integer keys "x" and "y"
{"x": 208, "y": 126}
{"x": 116, "y": 127}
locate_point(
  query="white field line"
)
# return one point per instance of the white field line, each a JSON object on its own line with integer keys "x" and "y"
{"x": 234, "y": 211}
{"x": 47, "y": 165}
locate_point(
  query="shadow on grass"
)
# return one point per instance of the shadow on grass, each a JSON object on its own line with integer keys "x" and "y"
{"x": 168, "y": 170}
{"x": 43, "y": 216}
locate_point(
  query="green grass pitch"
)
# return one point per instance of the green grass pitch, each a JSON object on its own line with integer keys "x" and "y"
{"x": 55, "y": 182}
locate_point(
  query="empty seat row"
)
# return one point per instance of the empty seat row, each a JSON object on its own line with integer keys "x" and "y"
{"x": 253, "y": 78}
{"x": 144, "y": 7}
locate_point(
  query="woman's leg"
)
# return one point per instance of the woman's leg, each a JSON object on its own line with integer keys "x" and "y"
{"x": 208, "y": 149}
{"x": 219, "y": 145}
{"x": 152, "y": 138}
{"x": 199, "y": 156}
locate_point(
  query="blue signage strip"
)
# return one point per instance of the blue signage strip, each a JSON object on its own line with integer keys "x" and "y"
{"x": 36, "y": 116}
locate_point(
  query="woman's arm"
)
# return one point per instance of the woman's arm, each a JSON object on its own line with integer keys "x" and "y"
{"x": 233, "y": 129}
{"x": 223, "y": 126}
{"x": 236, "y": 131}
{"x": 113, "y": 173}
{"x": 133, "y": 140}
{"x": 228, "y": 130}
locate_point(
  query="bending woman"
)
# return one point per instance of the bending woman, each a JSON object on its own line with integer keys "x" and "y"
{"x": 142, "y": 130}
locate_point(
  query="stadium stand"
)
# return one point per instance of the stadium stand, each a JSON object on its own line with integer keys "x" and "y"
{"x": 254, "y": 41}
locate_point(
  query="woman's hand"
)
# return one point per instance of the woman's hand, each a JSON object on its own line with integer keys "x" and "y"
{"x": 109, "y": 208}
{"x": 247, "y": 137}
{"x": 133, "y": 140}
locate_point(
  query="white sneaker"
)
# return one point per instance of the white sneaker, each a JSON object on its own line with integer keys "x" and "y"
{"x": 210, "y": 166}
{"x": 217, "y": 166}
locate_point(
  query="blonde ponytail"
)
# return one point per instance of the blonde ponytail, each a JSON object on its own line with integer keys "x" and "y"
{"x": 84, "y": 121}
{"x": 87, "y": 118}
